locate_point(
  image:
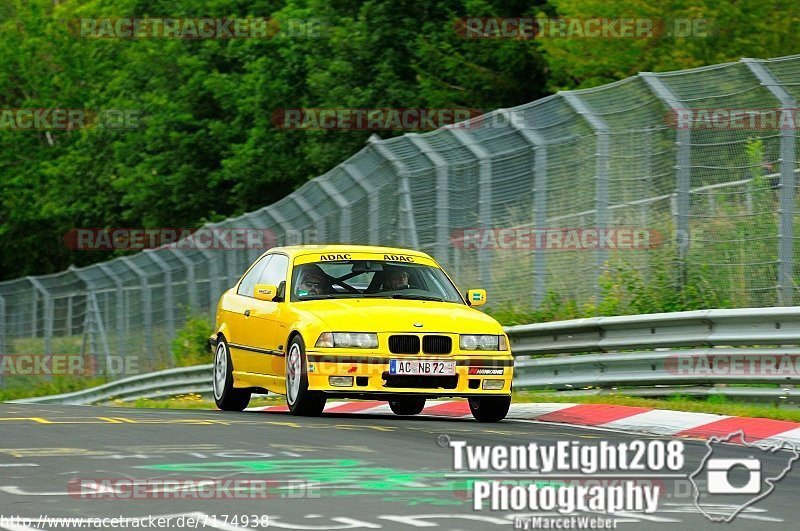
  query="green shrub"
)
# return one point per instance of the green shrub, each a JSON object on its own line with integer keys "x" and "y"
{"x": 190, "y": 346}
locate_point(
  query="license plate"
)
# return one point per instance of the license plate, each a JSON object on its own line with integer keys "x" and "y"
{"x": 422, "y": 367}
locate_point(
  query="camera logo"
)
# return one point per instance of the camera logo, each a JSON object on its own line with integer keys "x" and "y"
{"x": 726, "y": 483}
{"x": 719, "y": 471}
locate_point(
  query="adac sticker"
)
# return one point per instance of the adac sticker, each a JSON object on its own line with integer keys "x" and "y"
{"x": 312, "y": 367}
{"x": 476, "y": 296}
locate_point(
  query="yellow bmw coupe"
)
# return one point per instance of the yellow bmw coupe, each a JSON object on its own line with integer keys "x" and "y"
{"x": 349, "y": 321}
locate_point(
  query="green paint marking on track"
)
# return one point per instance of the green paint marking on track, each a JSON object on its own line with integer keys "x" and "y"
{"x": 348, "y": 477}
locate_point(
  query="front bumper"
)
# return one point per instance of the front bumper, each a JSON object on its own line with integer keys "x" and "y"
{"x": 370, "y": 375}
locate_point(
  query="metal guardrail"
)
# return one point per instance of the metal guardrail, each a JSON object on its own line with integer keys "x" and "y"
{"x": 651, "y": 354}
{"x": 655, "y": 353}
{"x": 171, "y": 382}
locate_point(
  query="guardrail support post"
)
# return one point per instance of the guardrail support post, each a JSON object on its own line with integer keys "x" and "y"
{"x": 539, "y": 146}
{"x": 372, "y": 198}
{"x": 683, "y": 171}
{"x": 408, "y": 224}
{"x": 442, "y": 196}
{"x": 484, "y": 200}
{"x": 787, "y": 192}
{"x": 147, "y": 303}
{"x": 48, "y": 314}
{"x": 602, "y": 157}
{"x": 344, "y": 208}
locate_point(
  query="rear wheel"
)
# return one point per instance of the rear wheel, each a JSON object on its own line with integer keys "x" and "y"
{"x": 489, "y": 408}
{"x": 227, "y": 397}
{"x": 300, "y": 400}
{"x": 407, "y": 406}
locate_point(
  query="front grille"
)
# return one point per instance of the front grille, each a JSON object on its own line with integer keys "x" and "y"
{"x": 404, "y": 344}
{"x": 437, "y": 344}
{"x": 419, "y": 382}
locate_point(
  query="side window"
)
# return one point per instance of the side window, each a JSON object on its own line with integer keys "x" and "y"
{"x": 275, "y": 273}
{"x": 250, "y": 280}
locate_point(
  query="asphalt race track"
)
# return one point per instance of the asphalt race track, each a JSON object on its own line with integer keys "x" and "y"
{"x": 339, "y": 471}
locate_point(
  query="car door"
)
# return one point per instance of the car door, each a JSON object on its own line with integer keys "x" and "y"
{"x": 245, "y": 359}
{"x": 265, "y": 330}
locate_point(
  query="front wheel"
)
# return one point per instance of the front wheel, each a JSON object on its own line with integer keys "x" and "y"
{"x": 300, "y": 400}
{"x": 227, "y": 397}
{"x": 489, "y": 408}
{"x": 407, "y": 406}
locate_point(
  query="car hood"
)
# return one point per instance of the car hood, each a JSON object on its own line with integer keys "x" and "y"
{"x": 395, "y": 315}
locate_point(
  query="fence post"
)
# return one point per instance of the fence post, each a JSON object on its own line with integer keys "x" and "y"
{"x": 442, "y": 196}
{"x": 406, "y": 205}
{"x": 372, "y": 198}
{"x": 92, "y": 309}
{"x": 683, "y": 171}
{"x": 254, "y": 222}
{"x": 602, "y": 157}
{"x": 169, "y": 299}
{"x": 213, "y": 280}
{"x": 3, "y": 350}
{"x": 484, "y": 200}
{"x": 344, "y": 208}
{"x": 48, "y": 314}
{"x": 787, "y": 184}
{"x": 190, "y": 278}
{"x": 280, "y": 220}
{"x": 539, "y": 146}
{"x": 147, "y": 303}
{"x": 121, "y": 332}
{"x": 319, "y": 221}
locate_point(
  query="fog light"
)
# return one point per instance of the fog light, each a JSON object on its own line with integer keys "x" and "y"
{"x": 493, "y": 384}
{"x": 341, "y": 381}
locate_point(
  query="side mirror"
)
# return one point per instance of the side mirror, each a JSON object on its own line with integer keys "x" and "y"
{"x": 476, "y": 297}
{"x": 265, "y": 292}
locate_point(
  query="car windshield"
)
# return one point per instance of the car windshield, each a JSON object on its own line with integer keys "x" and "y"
{"x": 371, "y": 279}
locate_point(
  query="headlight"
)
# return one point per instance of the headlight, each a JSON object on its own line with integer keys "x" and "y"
{"x": 482, "y": 342}
{"x": 347, "y": 340}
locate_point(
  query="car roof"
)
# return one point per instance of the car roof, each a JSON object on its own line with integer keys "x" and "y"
{"x": 297, "y": 250}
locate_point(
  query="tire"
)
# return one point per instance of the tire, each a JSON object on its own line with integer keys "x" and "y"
{"x": 300, "y": 400}
{"x": 489, "y": 408}
{"x": 407, "y": 405}
{"x": 226, "y": 396}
